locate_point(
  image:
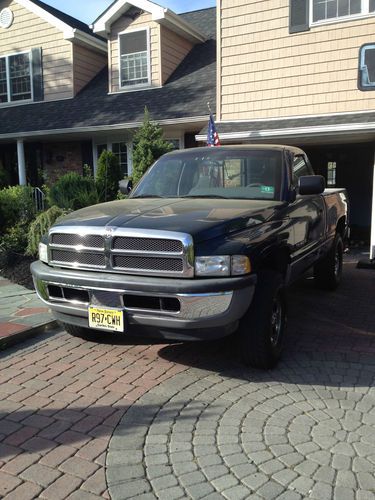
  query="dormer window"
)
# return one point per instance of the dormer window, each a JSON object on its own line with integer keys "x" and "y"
{"x": 134, "y": 59}
{"x": 15, "y": 78}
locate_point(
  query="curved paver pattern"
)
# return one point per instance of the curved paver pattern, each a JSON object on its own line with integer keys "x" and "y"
{"x": 199, "y": 434}
{"x": 218, "y": 430}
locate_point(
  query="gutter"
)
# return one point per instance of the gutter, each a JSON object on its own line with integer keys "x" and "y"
{"x": 102, "y": 128}
{"x": 292, "y": 132}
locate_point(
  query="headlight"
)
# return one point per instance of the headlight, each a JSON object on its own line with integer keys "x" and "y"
{"x": 222, "y": 265}
{"x": 43, "y": 252}
{"x": 217, "y": 265}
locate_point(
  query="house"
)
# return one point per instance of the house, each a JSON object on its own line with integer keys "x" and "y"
{"x": 302, "y": 72}
{"x": 68, "y": 91}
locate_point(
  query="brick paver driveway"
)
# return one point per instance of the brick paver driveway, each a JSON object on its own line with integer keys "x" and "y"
{"x": 80, "y": 419}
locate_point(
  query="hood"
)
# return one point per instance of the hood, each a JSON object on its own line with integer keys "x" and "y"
{"x": 202, "y": 218}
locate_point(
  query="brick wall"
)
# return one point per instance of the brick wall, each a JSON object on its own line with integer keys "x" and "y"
{"x": 61, "y": 158}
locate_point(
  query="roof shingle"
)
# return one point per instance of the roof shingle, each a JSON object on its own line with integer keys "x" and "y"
{"x": 185, "y": 95}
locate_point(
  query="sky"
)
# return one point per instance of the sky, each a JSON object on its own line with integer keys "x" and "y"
{"x": 88, "y": 11}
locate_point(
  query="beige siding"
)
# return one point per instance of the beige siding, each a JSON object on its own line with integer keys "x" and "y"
{"x": 86, "y": 64}
{"x": 29, "y": 31}
{"x": 127, "y": 23}
{"x": 266, "y": 72}
{"x": 173, "y": 49}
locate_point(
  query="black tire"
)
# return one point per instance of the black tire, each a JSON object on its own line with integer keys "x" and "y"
{"x": 328, "y": 272}
{"x": 78, "y": 331}
{"x": 262, "y": 329}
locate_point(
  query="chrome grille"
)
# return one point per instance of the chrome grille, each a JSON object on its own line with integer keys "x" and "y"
{"x": 120, "y": 250}
{"x": 73, "y": 240}
{"x": 147, "y": 244}
{"x": 78, "y": 258}
{"x": 149, "y": 263}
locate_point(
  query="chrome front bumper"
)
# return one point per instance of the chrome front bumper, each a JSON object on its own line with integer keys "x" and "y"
{"x": 204, "y": 304}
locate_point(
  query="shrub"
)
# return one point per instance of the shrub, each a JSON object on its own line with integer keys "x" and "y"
{"x": 14, "y": 239}
{"x": 149, "y": 145}
{"x": 16, "y": 207}
{"x": 40, "y": 227}
{"x": 73, "y": 191}
{"x": 108, "y": 176}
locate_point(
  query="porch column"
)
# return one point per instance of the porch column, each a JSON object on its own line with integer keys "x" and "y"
{"x": 372, "y": 243}
{"x": 21, "y": 163}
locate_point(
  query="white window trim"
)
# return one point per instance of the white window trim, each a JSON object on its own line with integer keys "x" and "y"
{"x": 109, "y": 141}
{"x": 332, "y": 20}
{"x": 180, "y": 140}
{"x": 22, "y": 101}
{"x": 139, "y": 86}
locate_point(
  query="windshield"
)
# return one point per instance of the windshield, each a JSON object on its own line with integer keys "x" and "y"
{"x": 215, "y": 173}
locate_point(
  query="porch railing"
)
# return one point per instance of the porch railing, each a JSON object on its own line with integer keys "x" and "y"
{"x": 39, "y": 199}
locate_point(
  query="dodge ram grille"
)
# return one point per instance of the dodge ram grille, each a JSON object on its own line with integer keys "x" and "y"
{"x": 127, "y": 251}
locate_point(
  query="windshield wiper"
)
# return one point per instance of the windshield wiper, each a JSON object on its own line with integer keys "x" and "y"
{"x": 205, "y": 196}
{"x": 148, "y": 196}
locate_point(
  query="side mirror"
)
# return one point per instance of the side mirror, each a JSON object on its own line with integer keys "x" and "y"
{"x": 311, "y": 184}
{"x": 126, "y": 185}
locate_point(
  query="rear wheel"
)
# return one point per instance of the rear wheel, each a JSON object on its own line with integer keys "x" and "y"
{"x": 328, "y": 272}
{"x": 261, "y": 331}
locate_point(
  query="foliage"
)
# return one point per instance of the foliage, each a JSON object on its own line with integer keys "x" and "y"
{"x": 16, "y": 207}
{"x": 73, "y": 191}
{"x": 149, "y": 145}
{"x": 14, "y": 240}
{"x": 40, "y": 226}
{"x": 108, "y": 176}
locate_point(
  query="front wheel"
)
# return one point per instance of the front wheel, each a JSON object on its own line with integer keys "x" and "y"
{"x": 78, "y": 331}
{"x": 261, "y": 331}
{"x": 328, "y": 272}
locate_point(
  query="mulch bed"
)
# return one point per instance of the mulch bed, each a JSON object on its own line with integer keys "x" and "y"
{"x": 17, "y": 270}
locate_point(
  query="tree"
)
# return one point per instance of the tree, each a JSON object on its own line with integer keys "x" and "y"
{"x": 108, "y": 176}
{"x": 149, "y": 145}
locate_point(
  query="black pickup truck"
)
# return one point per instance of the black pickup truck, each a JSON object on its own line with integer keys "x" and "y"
{"x": 204, "y": 246}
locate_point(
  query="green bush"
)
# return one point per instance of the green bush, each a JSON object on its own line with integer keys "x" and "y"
{"x": 149, "y": 145}
{"x": 16, "y": 207}
{"x": 40, "y": 226}
{"x": 108, "y": 176}
{"x": 73, "y": 191}
{"x": 14, "y": 240}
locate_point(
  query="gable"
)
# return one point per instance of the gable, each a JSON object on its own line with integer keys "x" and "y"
{"x": 29, "y": 31}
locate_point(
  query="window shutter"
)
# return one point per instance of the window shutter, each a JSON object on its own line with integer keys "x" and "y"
{"x": 298, "y": 16}
{"x": 36, "y": 59}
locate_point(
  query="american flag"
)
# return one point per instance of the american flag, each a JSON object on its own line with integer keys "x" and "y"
{"x": 212, "y": 135}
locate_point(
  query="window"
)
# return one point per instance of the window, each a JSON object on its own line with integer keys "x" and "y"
{"x": 134, "y": 59}
{"x": 300, "y": 168}
{"x": 331, "y": 174}
{"x": 325, "y": 10}
{"x": 366, "y": 77}
{"x": 121, "y": 151}
{"x": 15, "y": 78}
{"x": 175, "y": 143}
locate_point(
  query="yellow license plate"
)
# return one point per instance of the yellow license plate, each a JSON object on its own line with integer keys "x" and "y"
{"x": 106, "y": 319}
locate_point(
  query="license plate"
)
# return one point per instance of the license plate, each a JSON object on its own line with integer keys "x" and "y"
{"x": 106, "y": 319}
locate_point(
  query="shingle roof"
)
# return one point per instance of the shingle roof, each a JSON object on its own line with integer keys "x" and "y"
{"x": 65, "y": 18}
{"x": 184, "y": 95}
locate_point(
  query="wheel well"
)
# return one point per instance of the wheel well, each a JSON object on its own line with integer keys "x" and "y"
{"x": 278, "y": 260}
{"x": 341, "y": 226}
